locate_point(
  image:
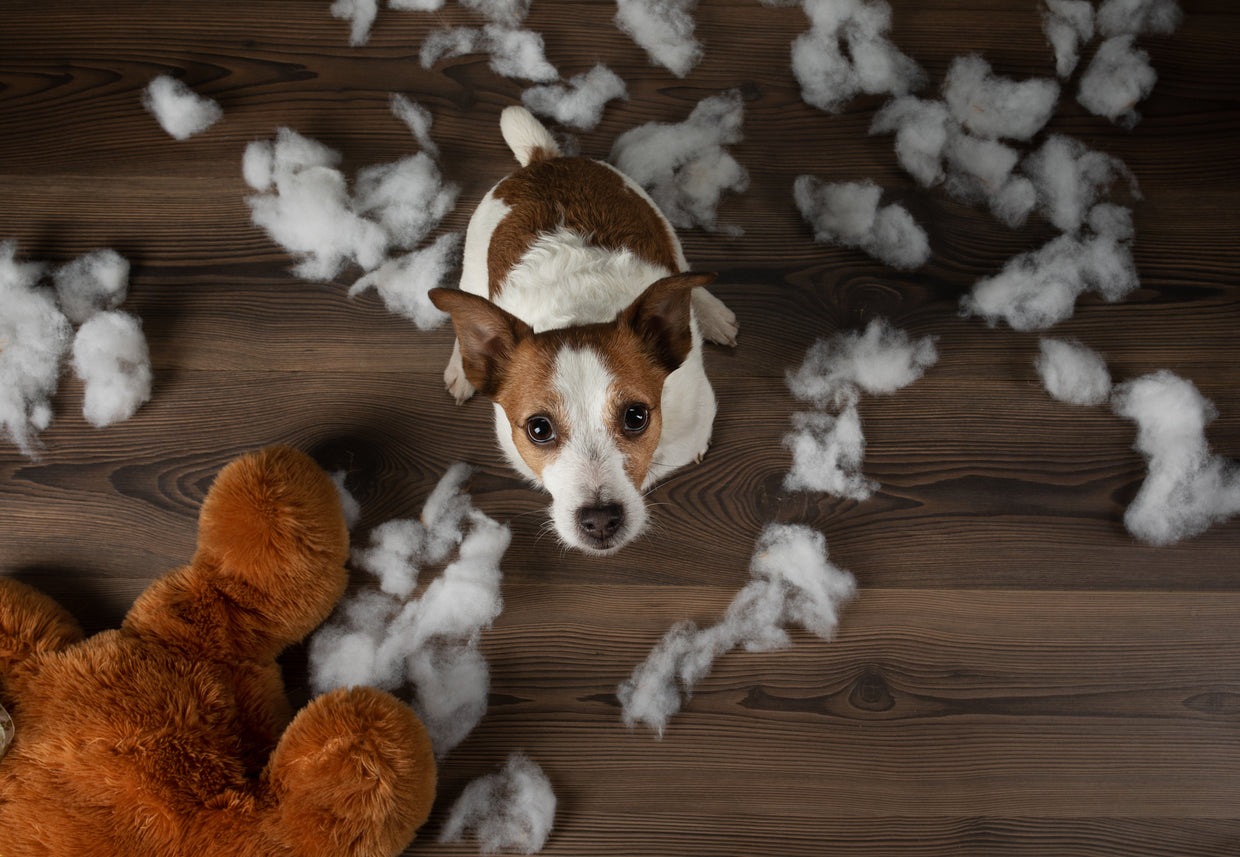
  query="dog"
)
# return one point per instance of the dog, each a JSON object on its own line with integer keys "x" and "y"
{"x": 577, "y": 316}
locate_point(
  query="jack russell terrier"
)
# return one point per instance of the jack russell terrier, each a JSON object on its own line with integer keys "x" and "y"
{"x": 577, "y": 318}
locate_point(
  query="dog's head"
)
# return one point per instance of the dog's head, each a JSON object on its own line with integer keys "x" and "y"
{"x": 583, "y": 403}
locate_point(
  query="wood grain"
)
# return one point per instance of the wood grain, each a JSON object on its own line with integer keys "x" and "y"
{"x": 1017, "y": 676}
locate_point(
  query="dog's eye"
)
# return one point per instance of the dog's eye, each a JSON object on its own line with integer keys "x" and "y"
{"x": 636, "y": 418}
{"x": 540, "y": 429}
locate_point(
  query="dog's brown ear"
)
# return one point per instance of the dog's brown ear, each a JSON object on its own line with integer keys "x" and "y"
{"x": 661, "y": 317}
{"x": 486, "y": 333}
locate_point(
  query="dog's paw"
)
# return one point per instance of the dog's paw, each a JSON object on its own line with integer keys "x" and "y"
{"x": 717, "y": 322}
{"x": 698, "y": 458}
{"x": 454, "y": 379}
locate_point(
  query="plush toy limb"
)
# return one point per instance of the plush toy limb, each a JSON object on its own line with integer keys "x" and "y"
{"x": 30, "y": 623}
{"x": 272, "y": 543}
{"x": 353, "y": 776}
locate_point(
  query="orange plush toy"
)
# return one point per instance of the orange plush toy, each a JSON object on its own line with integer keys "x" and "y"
{"x": 172, "y": 735}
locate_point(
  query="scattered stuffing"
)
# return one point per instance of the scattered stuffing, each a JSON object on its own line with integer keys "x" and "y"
{"x": 995, "y": 107}
{"x": 179, "y": 110}
{"x": 418, "y": 119}
{"x": 848, "y": 214}
{"x": 827, "y": 449}
{"x": 879, "y": 361}
{"x": 846, "y": 52}
{"x": 382, "y": 638}
{"x": 1070, "y": 178}
{"x": 512, "y": 810}
{"x": 93, "y": 283}
{"x": 1186, "y": 489}
{"x": 349, "y": 506}
{"x": 684, "y": 166}
{"x": 827, "y": 452}
{"x": 1068, "y": 25}
{"x": 407, "y": 198}
{"x": 922, "y": 129}
{"x": 934, "y": 148}
{"x": 579, "y": 104}
{"x": 362, "y": 15}
{"x": 110, "y": 355}
{"x": 310, "y": 216}
{"x": 449, "y": 42}
{"x": 305, "y": 206}
{"x": 1119, "y": 76}
{"x": 403, "y": 282}
{"x": 1073, "y": 373}
{"x": 514, "y": 53}
{"x": 34, "y": 335}
{"x": 507, "y": 12}
{"x": 1123, "y": 17}
{"x": 1038, "y": 289}
{"x": 793, "y": 582}
{"x": 664, "y": 30}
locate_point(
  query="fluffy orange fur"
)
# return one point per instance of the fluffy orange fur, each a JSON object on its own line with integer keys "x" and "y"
{"x": 173, "y": 735}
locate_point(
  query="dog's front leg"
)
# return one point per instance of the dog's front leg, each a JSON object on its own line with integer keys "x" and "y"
{"x": 715, "y": 320}
{"x": 454, "y": 376}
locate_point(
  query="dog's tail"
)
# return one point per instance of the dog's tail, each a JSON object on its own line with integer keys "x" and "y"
{"x": 526, "y": 136}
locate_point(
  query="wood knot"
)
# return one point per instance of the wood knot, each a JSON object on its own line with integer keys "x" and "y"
{"x": 871, "y": 693}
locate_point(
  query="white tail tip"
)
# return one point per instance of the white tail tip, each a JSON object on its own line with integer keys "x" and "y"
{"x": 526, "y": 136}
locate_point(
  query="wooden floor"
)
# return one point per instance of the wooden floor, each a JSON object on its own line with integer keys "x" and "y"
{"x": 1018, "y": 674}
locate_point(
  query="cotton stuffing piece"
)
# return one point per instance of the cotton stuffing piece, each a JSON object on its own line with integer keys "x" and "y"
{"x": 179, "y": 110}
{"x": 512, "y": 810}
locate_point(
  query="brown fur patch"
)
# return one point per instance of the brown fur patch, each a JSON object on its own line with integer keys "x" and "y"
{"x": 578, "y": 194}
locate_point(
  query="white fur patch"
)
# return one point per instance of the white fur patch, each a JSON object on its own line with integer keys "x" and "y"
{"x": 589, "y": 469}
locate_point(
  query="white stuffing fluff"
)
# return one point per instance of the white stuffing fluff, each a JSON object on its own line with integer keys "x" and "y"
{"x": 1121, "y": 17}
{"x": 848, "y": 213}
{"x": 922, "y": 129}
{"x": 933, "y": 147}
{"x": 684, "y": 166}
{"x": 179, "y": 110}
{"x": 349, "y": 507}
{"x": 34, "y": 335}
{"x": 515, "y": 53}
{"x": 664, "y": 30}
{"x": 111, "y": 356}
{"x": 792, "y": 582}
{"x": 305, "y": 205}
{"x": 580, "y": 103}
{"x": 846, "y": 52}
{"x": 418, "y": 119}
{"x": 828, "y": 449}
{"x": 827, "y": 452}
{"x": 518, "y": 54}
{"x": 1038, "y": 289}
{"x": 1070, "y": 178}
{"x": 1068, "y": 24}
{"x": 1118, "y": 77}
{"x": 407, "y": 198}
{"x": 512, "y": 810}
{"x": 403, "y": 282}
{"x": 992, "y": 106}
{"x": 1186, "y": 488}
{"x": 509, "y": 12}
{"x": 96, "y": 282}
{"x": 362, "y": 15}
{"x": 387, "y": 639}
{"x": 1073, "y": 373}
{"x": 880, "y": 360}
{"x": 449, "y": 42}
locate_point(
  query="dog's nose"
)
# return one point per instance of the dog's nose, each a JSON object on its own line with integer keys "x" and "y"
{"x": 600, "y": 522}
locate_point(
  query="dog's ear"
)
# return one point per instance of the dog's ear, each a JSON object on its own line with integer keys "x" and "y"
{"x": 661, "y": 317}
{"x": 486, "y": 333}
